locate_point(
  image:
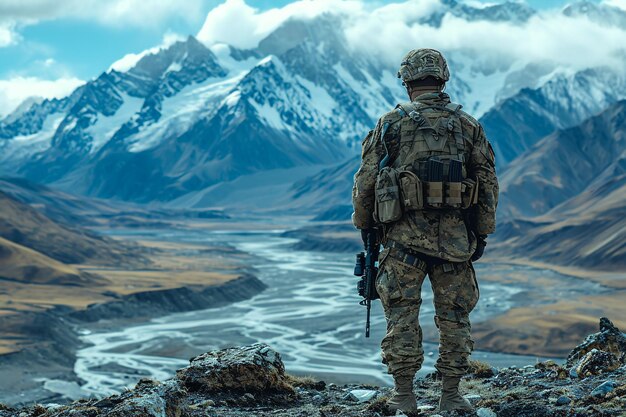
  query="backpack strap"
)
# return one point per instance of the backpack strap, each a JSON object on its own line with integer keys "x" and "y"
{"x": 455, "y": 128}
{"x": 404, "y": 109}
{"x": 453, "y": 107}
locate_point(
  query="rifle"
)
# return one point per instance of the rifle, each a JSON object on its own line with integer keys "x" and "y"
{"x": 366, "y": 269}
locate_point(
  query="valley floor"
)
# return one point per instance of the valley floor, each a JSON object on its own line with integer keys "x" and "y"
{"x": 39, "y": 322}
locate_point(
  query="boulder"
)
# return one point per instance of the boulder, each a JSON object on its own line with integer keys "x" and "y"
{"x": 250, "y": 369}
{"x": 148, "y": 399}
{"x": 609, "y": 339}
{"x": 152, "y": 399}
{"x": 596, "y": 362}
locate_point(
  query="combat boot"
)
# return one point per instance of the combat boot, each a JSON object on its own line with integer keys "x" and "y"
{"x": 451, "y": 398}
{"x": 403, "y": 398}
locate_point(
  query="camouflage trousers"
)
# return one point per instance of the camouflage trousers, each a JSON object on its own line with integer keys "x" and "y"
{"x": 455, "y": 293}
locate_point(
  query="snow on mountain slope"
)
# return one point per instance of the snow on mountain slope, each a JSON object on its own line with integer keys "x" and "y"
{"x": 517, "y": 123}
{"x": 180, "y": 111}
{"x": 604, "y": 13}
{"x": 105, "y": 127}
{"x": 20, "y": 146}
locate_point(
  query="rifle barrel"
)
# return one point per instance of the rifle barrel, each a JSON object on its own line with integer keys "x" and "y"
{"x": 367, "y": 321}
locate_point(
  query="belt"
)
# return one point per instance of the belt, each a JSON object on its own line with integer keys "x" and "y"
{"x": 400, "y": 253}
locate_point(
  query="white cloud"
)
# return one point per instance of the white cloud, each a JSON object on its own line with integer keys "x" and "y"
{"x": 15, "y": 90}
{"x": 621, "y": 4}
{"x": 113, "y": 12}
{"x": 391, "y": 30}
{"x": 571, "y": 42}
{"x": 129, "y": 60}
{"x": 15, "y": 14}
{"x": 8, "y": 36}
{"x": 238, "y": 24}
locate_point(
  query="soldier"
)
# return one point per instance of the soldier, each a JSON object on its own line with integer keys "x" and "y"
{"x": 427, "y": 183}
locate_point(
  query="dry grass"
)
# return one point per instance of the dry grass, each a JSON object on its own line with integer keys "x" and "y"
{"x": 19, "y": 263}
{"x": 552, "y": 329}
{"x": 613, "y": 279}
{"x": 306, "y": 381}
{"x": 301, "y": 381}
{"x": 480, "y": 369}
{"x": 55, "y": 284}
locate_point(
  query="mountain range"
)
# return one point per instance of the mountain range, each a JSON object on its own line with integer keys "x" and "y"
{"x": 197, "y": 125}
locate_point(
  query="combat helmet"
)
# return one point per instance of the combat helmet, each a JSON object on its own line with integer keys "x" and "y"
{"x": 421, "y": 63}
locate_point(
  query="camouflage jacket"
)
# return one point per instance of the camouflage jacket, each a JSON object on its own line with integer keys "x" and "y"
{"x": 446, "y": 234}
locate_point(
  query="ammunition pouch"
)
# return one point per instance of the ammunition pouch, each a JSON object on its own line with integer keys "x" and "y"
{"x": 453, "y": 194}
{"x": 418, "y": 195}
{"x": 434, "y": 194}
{"x": 388, "y": 206}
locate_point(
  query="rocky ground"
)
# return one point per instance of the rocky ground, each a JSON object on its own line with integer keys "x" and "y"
{"x": 251, "y": 381}
{"x": 54, "y": 340}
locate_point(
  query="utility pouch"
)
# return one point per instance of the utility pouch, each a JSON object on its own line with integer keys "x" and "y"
{"x": 469, "y": 193}
{"x": 453, "y": 194}
{"x": 434, "y": 194}
{"x": 434, "y": 184}
{"x": 411, "y": 190}
{"x": 388, "y": 207}
{"x": 453, "y": 186}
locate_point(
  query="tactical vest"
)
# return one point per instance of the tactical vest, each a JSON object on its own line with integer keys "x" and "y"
{"x": 427, "y": 169}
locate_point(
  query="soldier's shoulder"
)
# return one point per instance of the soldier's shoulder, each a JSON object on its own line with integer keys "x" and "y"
{"x": 396, "y": 114}
{"x": 469, "y": 122}
{"x": 468, "y": 118}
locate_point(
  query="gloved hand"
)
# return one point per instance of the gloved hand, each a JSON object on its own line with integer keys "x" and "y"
{"x": 480, "y": 248}
{"x": 364, "y": 233}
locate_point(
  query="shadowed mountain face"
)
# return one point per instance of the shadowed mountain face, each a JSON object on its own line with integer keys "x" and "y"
{"x": 571, "y": 187}
{"x": 326, "y": 190}
{"x": 564, "y": 164}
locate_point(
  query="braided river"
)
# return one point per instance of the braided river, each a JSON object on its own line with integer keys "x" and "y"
{"x": 309, "y": 313}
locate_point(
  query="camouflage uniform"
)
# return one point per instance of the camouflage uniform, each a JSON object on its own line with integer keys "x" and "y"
{"x": 442, "y": 240}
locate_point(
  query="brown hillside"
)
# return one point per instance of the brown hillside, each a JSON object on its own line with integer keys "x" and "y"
{"x": 18, "y": 263}
{"x": 28, "y": 227}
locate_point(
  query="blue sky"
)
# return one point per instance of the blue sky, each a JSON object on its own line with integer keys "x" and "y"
{"x": 83, "y": 48}
{"x": 78, "y": 39}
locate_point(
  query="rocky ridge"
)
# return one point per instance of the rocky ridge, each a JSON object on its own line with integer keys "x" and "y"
{"x": 251, "y": 381}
